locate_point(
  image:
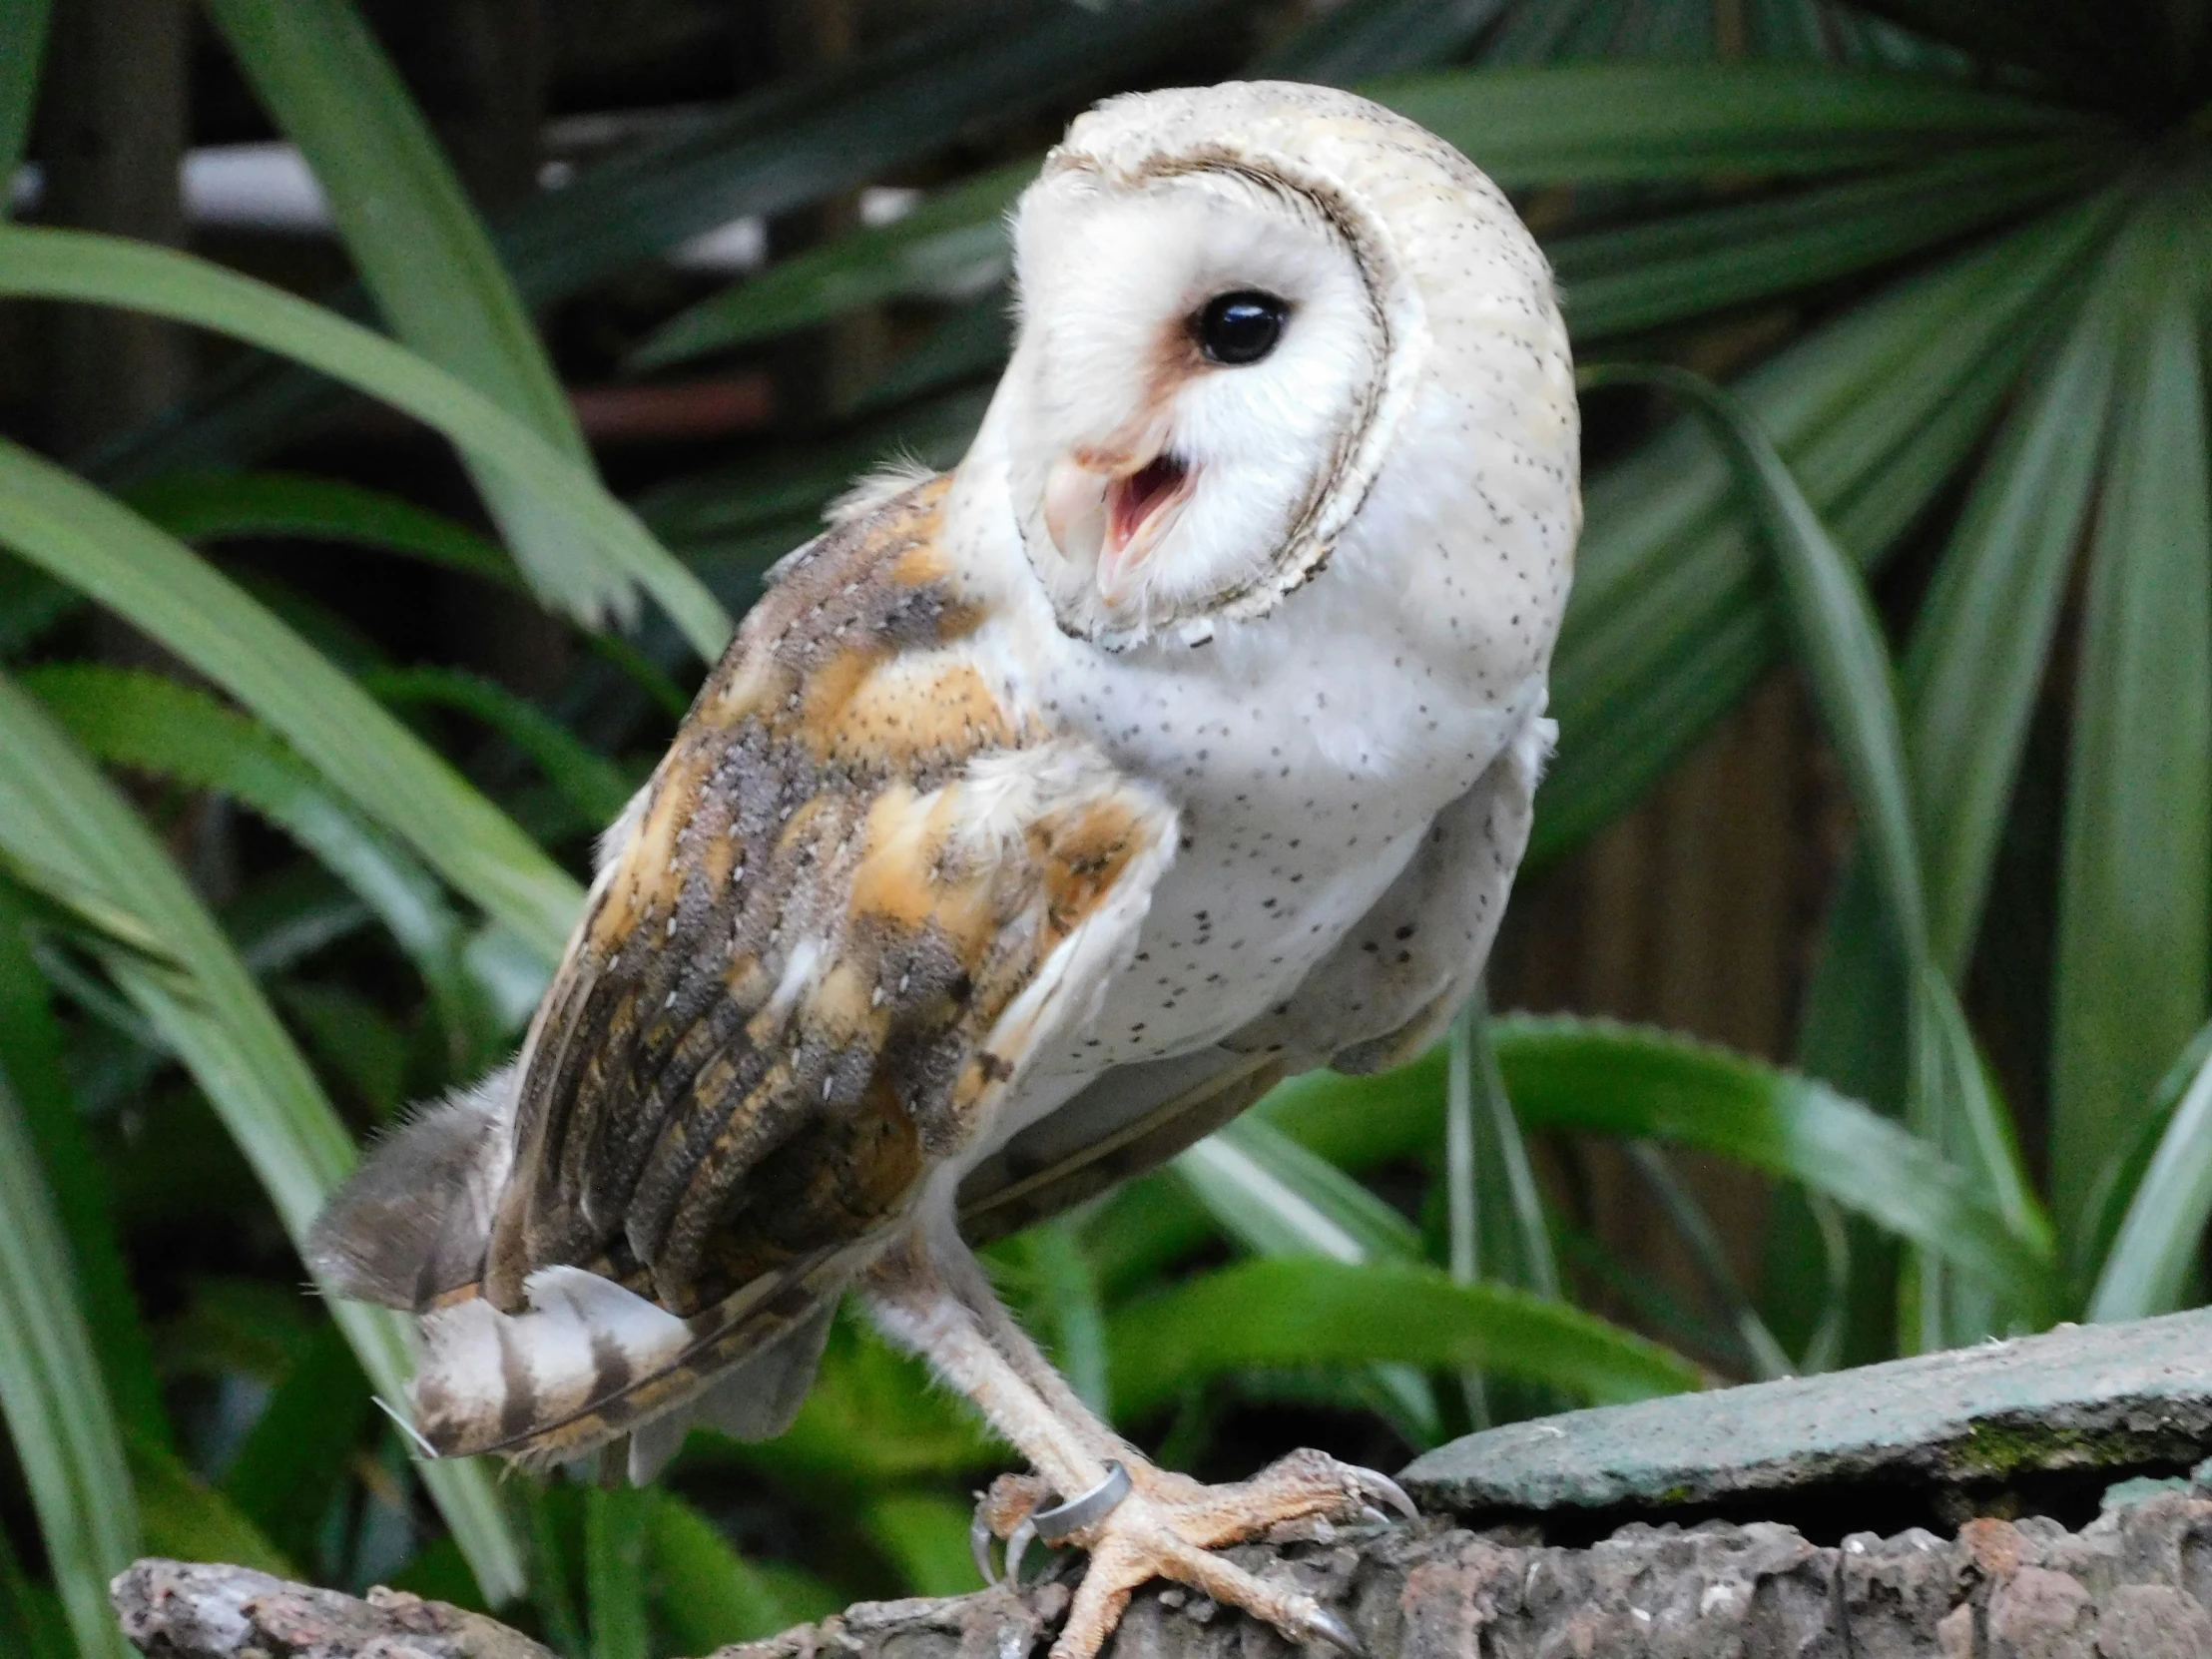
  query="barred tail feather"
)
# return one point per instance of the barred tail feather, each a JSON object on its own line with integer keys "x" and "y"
{"x": 490, "y": 1379}
{"x": 588, "y": 1360}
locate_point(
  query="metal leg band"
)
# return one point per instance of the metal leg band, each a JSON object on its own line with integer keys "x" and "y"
{"x": 1064, "y": 1519}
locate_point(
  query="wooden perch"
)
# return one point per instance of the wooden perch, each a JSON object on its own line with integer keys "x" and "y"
{"x": 2131, "y": 1585}
{"x": 1648, "y": 1531}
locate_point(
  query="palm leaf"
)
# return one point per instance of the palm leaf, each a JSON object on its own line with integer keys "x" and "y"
{"x": 58, "y": 814}
{"x": 1839, "y": 642}
{"x": 425, "y": 258}
{"x": 151, "y": 724}
{"x": 1670, "y": 621}
{"x": 55, "y": 1401}
{"x": 2135, "y": 884}
{"x": 594, "y": 785}
{"x": 1305, "y": 1311}
{"x": 708, "y": 1595}
{"x": 793, "y": 143}
{"x": 32, "y": 1068}
{"x": 2155, "y": 1251}
{"x": 71, "y": 265}
{"x": 1626, "y": 123}
{"x": 380, "y": 768}
{"x": 201, "y": 507}
{"x": 953, "y": 240}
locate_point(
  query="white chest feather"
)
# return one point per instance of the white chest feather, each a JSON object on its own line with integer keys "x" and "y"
{"x": 1306, "y": 754}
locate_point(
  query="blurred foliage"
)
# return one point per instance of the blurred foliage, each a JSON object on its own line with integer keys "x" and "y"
{"x": 1970, "y": 245}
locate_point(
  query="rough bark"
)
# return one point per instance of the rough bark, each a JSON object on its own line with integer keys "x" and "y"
{"x": 2136, "y": 1583}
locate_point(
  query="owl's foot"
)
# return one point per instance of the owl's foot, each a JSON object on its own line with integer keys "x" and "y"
{"x": 1167, "y": 1525}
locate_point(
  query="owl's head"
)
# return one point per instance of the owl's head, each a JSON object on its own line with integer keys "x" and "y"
{"x": 1236, "y": 304}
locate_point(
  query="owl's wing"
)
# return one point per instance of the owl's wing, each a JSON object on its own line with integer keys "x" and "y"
{"x": 858, "y": 895}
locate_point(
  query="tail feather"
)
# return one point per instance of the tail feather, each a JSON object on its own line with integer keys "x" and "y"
{"x": 586, "y": 1358}
{"x": 754, "y": 1400}
{"x": 589, "y": 1360}
{"x": 490, "y": 1378}
{"x": 412, "y": 1225}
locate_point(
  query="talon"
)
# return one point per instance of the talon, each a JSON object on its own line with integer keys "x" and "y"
{"x": 1330, "y": 1628}
{"x": 979, "y": 1539}
{"x": 1017, "y": 1547}
{"x": 1388, "y": 1491}
{"x": 1374, "y": 1517}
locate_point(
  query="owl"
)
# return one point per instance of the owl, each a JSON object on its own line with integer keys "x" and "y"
{"x": 1039, "y": 819}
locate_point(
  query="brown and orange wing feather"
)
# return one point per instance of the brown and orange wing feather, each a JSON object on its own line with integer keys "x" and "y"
{"x": 857, "y": 891}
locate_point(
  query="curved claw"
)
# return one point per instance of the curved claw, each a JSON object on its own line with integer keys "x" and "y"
{"x": 1390, "y": 1492}
{"x": 979, "y": 1543}
{"x": 1332, "y": 1630}
{"x": 1017, "y": 1547}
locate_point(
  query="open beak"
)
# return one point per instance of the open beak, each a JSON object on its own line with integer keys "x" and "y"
{"x": 1113, "y": 515}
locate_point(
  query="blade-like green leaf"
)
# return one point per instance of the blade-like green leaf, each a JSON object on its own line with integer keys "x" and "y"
{"x": 31, "y": 1065}
{"x": 54, "y": 1401}
{"x": 1311, "y": 1312}
{"x": 1684, "y": 265}
{"x": 152, "y": 724}
{"x": 925, "y": 1536}
{"x": 1601, "y": 1078}
{"x": 1367, "y": 38}
{"x": 798, "y": 140}
{"x": 708, "y": 1595}
{"x": 780, "y": 494}
{"x": 22, "y": 56}
{"x": 1276, "y": 1198}
{"x": 1506, "y": 1235}
{"x": 614, "y": 1570}
{"x": 1494, "y": 1217}
{"x": 953, "y": 242}
{"x": 381, "y": 767}
{"x": 1623, "y": 122}
{"x": 188, "y": 1520}
{"x": 213, "y": 506}
{"x": 1839, "y": 643}
{"x": 2135, "y": 887}
{"x": 1616, "y": 280}
{"x": 1671, "y": 619}
{"x": 2128, "y": 1165}
{"x": 593, "y": 784}
{"x": 2158, "y": 1246}
{"x": 296, "y": 1456}
{"x": 72, "y": 265}
{"x": 423, "y": 255}
{"x": 1045, "y": 1275}
{"x": 57, "y": 814}
{"x": 1760, "y": 1351}
{"x": 1841, "y": 647}
{"x": 1975, "y": 661}
{"x": 1838, "y": 638}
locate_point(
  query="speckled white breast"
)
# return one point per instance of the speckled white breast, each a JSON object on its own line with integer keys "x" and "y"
{"x": 1306, "y": 754}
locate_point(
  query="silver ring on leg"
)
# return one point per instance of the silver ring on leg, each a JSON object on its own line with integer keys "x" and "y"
{"x": 1064, "y": 1519}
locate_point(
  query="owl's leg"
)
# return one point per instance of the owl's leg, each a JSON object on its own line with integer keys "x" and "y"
{"x": 1167, "y": 1525}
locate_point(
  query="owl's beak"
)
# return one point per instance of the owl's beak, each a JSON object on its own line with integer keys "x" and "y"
{"x": 1111, "y": 516}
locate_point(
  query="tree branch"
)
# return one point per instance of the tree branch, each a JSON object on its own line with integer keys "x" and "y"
{"x": 2136, "y": 1581}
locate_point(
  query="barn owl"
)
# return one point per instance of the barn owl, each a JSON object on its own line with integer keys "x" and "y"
{"x": 1040, "y": 816}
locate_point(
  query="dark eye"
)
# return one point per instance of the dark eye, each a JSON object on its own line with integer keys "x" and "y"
{"x": 1241, "y": 328}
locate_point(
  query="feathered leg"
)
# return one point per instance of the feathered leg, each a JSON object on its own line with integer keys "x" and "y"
{"x": 929, "y": 1296}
